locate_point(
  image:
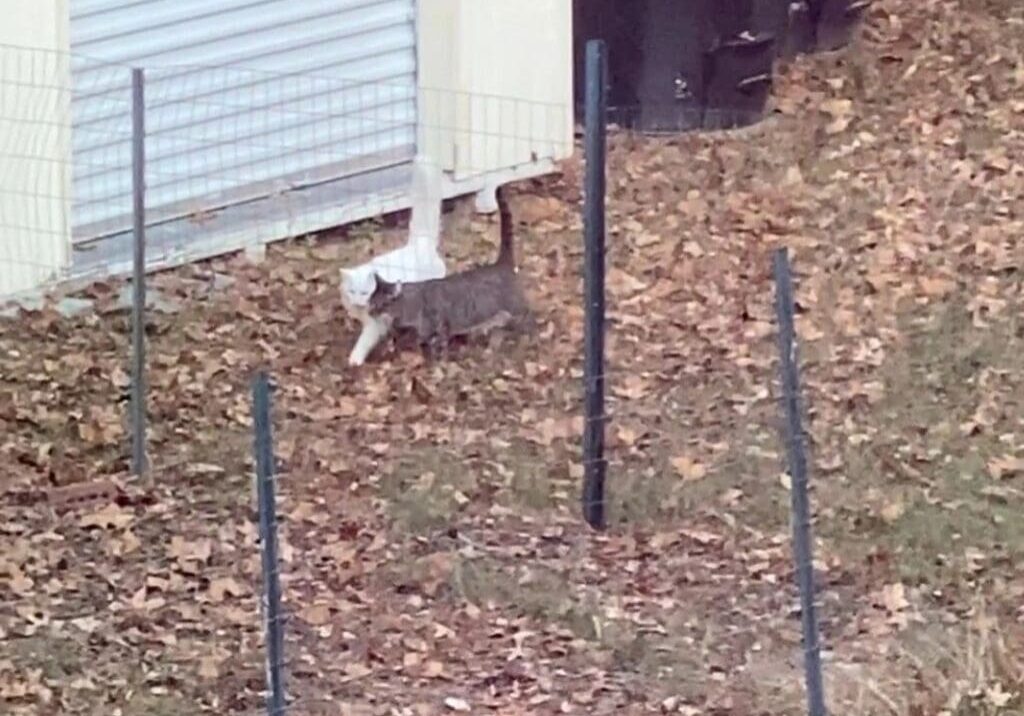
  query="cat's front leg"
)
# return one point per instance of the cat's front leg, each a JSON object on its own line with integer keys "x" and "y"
{"x": 373, "y": 330}
{"x": 431, "y": 341}
{"x": 442, "y": 339}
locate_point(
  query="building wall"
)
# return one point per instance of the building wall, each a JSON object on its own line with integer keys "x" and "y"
{"x": 495, "y": 82}
{"x": 244, "y": 99}
{"x": 35, "y": 134}
{"x": 493, "y": 104}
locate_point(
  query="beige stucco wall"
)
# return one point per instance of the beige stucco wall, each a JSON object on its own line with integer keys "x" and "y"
{"x": 35, "y": 147}
{"x": 495, "y": 82}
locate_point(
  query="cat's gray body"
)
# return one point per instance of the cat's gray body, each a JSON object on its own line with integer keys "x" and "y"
{"x": 458, "y": 304}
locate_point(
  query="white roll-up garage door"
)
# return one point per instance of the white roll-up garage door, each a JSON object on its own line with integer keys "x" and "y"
{"x": 242, "y": 97}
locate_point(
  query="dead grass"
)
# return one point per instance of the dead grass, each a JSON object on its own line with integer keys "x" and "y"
{"x": 967, "y": 670}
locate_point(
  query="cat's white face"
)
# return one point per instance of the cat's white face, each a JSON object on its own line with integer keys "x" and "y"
{"x": 357, "y": 285}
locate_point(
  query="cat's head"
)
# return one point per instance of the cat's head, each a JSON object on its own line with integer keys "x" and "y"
{"x": 384, "y": 293}
{"x": 357, "y": 286}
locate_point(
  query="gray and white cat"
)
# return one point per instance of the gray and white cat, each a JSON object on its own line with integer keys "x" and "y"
{"x": 459, "y": 304}
{"x": 418, "y": 260}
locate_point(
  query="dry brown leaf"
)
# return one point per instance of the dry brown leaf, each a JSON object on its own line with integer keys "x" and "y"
{"x": 1005, "y": 466}
{"x": 433, "y": 669}
{"x": 892, "y": 511}
{"x": 109, "y": 517}
{"x": 838, "y": 107}
{"x": 633, "y": 386}
{"x": 626, "y": 435}
{"x": 315, "y": 615}
{"x": 184, "y": 550}
{"x": 223, "y": 588}
{"x": 623, "y": 284}
{"x": 18, "y": 581}
{"x": 661, "y": 540}
{"x": 354, "y": 670}
{"x": 894, "y": 597}
{"x": 837, "y": 125}
{"x": 688, "y": 468}
{"x": 208, "y": 668}
{"x": 937, "y": 287}
{"x": 701, "y": 536}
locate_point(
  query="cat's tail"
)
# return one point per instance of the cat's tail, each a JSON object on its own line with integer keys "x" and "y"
{"x": 507, "y": 249}
{"x": 426, "y": 194}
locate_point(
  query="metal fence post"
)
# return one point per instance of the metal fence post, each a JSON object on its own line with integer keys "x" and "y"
{"x": 801, "y": 520}
{"x": 138, "y": 393}
{"x": 594, "y": 465}
{"x": 264, "y": 453}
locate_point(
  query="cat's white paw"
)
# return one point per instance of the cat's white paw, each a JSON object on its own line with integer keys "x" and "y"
{"x": 356, "y": 360}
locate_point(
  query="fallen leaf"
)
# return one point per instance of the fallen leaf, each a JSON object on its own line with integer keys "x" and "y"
{"x": 224, "y": 587}
{"x": 87, "y": 624}
{"x": 664, "y": 539}
{"x": 19, "y": 583}
{"x": 892, "y": 511}
{"x": 997, "y": 697}
{"x": 894, "y": 597}
{"x": 688, "y": 469}
{"x": 837, "y": 125}
{"x": 627, "y": 436}
{"x": 208, "y": 668}
{"x": 623, "y": 284}
{"x": 701, "y": 536}
{"x": 433, "y": 669}
{"x": 632, "y": 386}
{"x": 456, "y": 704}
{"x": 111, "y": 516}
{"x": 183, "y": 550}
{"x": 315, "y": 615}
{"x": 355, "y": 670}
{"x": 937, "y": 287}
{"x": 1005, "y": 466}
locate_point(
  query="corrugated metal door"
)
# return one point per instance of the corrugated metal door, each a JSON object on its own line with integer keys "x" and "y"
{"x": 243, "y": 99}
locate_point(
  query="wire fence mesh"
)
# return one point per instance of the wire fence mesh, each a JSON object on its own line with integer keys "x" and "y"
{"x": 35, "y": 172}
{"x": 235, "y": 157}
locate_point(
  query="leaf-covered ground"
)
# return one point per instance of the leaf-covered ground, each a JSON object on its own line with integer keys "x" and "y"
{"x": 433, "y": 558}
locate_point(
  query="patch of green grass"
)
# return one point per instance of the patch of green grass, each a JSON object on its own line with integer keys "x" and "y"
{"x": 742, "y": 481}
{"x": 955, "y": 518}
{"x": 535, "y": 591}
{"x": 147, "y": 703}
{"x": 59, "y": 658}
{"x": 427, "y": 489}
{"x": 534, "y": 486}
{"x": 665, "y": 662}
